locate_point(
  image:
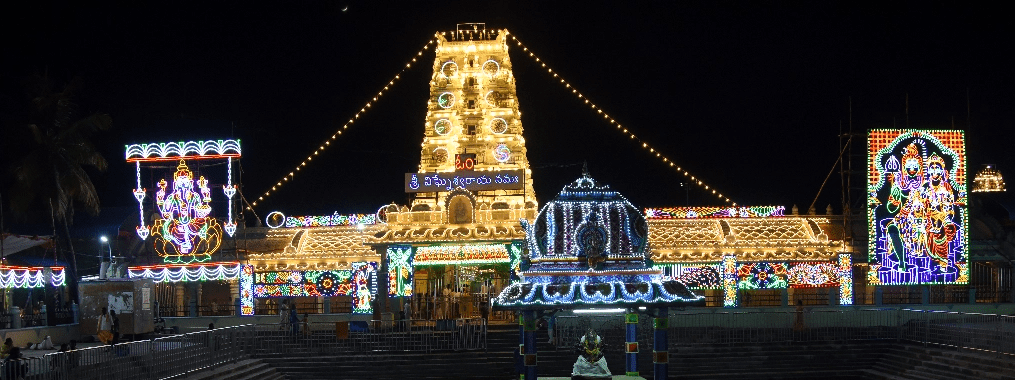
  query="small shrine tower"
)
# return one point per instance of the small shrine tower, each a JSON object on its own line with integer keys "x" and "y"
{"x": 473, "y": 122}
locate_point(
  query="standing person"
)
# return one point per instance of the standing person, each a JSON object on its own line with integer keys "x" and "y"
{"x": 306, "y": 324}
{"x": 294, "y": 319}
{"x": 798, "y": 324}
{"x": 114, "y": 328}
{"x": 104, "y": 327}
{"x": 14, "y": 367}
{"x": 283, "y": 314}
{"x": 446, "y": 310}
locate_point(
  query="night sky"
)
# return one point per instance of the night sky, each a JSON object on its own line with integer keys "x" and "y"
{"x": 749, "y": 97}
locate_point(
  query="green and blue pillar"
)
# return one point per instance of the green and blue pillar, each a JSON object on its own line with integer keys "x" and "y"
{"x": 631, "y": 354}
{"x": 660, "y": 345}
{"x": 529, "y": 344}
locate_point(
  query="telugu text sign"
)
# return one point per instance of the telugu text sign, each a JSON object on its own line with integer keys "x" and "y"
{"x": 481, "y": 180}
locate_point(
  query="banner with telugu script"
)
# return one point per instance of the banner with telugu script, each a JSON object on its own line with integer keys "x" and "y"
{"x": 472, "y": 181}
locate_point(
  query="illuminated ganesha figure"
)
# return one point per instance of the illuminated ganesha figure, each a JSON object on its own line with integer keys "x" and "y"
{"x": 185, "y": 233}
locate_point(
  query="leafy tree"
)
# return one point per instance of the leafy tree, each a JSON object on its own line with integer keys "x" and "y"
{"x": 51, "y": 175}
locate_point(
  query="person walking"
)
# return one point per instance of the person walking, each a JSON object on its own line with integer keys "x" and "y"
{"x": 104, "y": 327}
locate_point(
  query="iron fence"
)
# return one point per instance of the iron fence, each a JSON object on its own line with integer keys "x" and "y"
{"x": 172, "y": 356}
{"x": 318, "y": 338}
{"x": 986, "y": 332}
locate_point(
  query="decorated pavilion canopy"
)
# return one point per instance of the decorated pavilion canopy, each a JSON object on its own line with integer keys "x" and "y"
{"x": 588, "y": 247}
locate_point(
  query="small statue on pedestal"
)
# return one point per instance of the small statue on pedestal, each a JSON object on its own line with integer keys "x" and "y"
{"x": 591, "y": 365}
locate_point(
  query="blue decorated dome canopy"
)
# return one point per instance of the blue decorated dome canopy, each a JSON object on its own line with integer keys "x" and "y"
{"x": 587, "y": 223}
{"x": 588, "y": 247}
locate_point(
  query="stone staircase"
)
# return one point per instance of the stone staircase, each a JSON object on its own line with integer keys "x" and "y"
{"x": 905, "y": 361}
{"x": 852, "y": 360}
{"x": 496, "y": 362}
{"x": 249, "y": 369}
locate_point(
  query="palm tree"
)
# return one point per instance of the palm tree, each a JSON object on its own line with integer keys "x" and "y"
{"x": 51, "y": 174}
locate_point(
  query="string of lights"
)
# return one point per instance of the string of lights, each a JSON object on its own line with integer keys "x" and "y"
{"x": 620, "y": 127}
{"x": 327, "y": 142}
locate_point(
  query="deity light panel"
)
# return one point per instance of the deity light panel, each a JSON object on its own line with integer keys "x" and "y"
{"x": 185, "y": 230}
{"x": 916, "y": 207}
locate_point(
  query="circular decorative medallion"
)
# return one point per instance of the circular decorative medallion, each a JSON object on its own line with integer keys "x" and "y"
{"x": 491, "y": 67}
{"x": 442, "y": 127}
{"x": 501, "y": 153}
{"x": 327, "y": 284}
{"x": 446, "y": 100}
{"x": 498, "y": 125}
{"x": 440, "y": 155}
{"x": 449, "y": 68}
{"x": 274, "y": 219}
{"x": 491, "y": 98}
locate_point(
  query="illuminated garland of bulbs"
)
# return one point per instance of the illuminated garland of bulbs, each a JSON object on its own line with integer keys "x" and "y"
{"x": 187, "y": 273}
{"x": 327, "y": 142}
{"x": 29, "y": 277}
{"x": 620, "y": 127}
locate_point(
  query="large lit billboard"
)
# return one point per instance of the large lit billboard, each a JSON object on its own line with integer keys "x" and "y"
{"x": 916, "y": 207}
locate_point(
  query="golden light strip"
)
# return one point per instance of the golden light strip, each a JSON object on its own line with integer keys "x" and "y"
{"x": 327, "y": 142}
{"x": 620, "y": 127}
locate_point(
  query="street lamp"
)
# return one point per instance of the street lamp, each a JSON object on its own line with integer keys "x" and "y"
{"x": 105, "y": 263}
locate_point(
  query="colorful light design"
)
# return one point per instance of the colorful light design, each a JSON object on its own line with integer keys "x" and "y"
{"x": 845, "y": 279}
{"x": 277, "y": 219}
{"x": 310, "y": 283}
{"x": 813, "y": 275}
{"x": 229, "y": 190}
{"x": 695, "y": 276}
{"x": 762, "y": 276}
{"x": 364, "y": 287}
{"x": 501, "y": 153}
{"x": 729, "y": 280}
{"x": 185, "y": 233}
{"x": 19, "y": 277}
{"x": 714, "y": 212}
{"x": 247, "y": 290}
{"x": 187, "y": 272}
{"x": 400, "y": 271}
{"x": 442, "y": 127}
{"x": 498, "y": 125}
{"x": 461, "y": 254}
{"x": 184, "y": 186}
{"x": 175, "y": 151}
{"x": 917, "y": 214}
{"x": 446, "y": 100}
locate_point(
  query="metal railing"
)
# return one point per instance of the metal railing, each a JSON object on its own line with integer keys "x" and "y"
{"x": 985, "y": 332}
{"x": 172, "y": 356}
{"x": 317, "y": 338}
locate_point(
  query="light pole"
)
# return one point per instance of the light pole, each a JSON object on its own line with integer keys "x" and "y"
{"x": 105, "y": 262}
{"x": 687, "y": 194}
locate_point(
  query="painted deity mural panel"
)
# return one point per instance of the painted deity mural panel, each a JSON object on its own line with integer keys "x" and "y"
{"x": 916, "y": 207}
